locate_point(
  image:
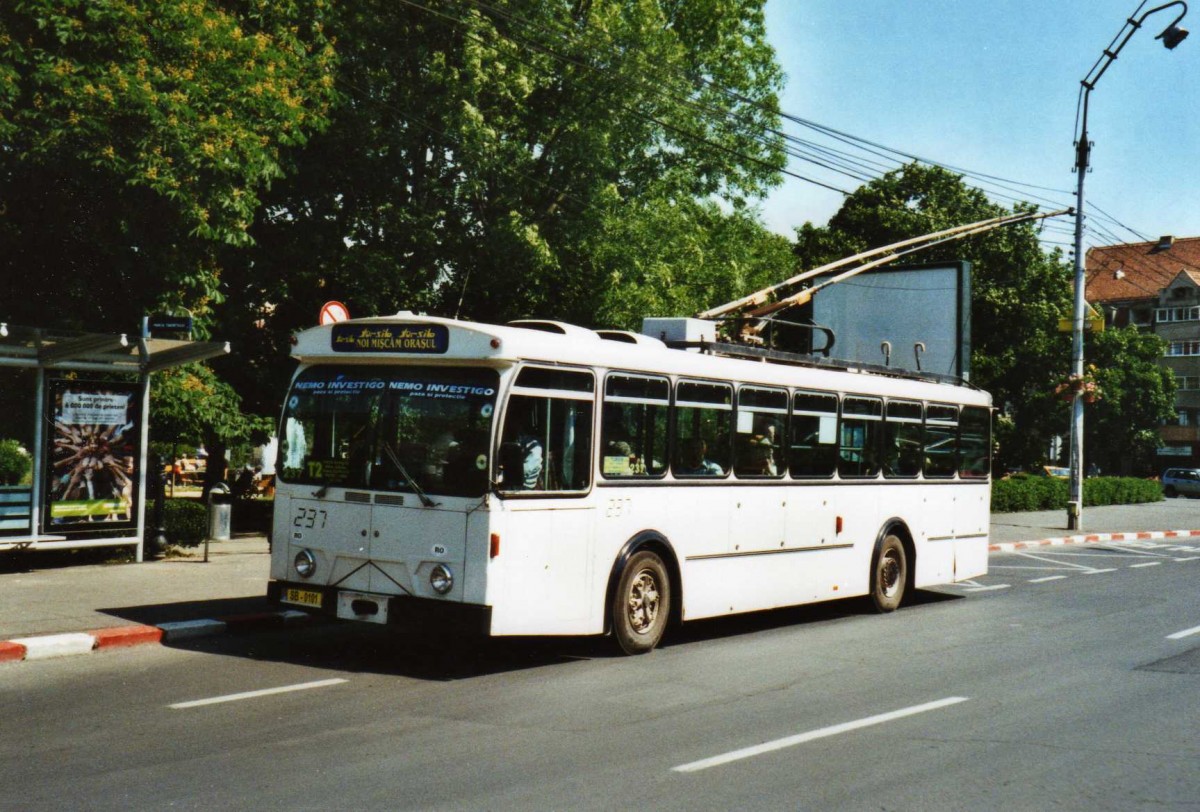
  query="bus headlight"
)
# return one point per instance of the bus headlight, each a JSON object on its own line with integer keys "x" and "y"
{"x": 305, "y": 563}
{"x": 441, "y": 579}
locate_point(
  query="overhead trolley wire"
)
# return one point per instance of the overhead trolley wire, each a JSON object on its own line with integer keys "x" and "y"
{"x": 857, "y": 167}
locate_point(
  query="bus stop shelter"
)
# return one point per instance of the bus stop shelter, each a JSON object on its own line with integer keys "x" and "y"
{"x": 74, "y": 434}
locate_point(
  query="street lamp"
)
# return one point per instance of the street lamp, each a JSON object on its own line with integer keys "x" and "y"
{"x": 1171, "y": 36}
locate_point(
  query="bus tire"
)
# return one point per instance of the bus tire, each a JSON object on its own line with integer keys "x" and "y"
{"x": 889, "y": 574}
{"x": 642, "y": 604}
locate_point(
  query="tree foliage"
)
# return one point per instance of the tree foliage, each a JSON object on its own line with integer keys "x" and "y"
{"x": 191, "y": 402}
{"x": 1121, "y": 429}
{"x": 496, "y": 160}
{"x": 136, "y": 137}
{"x": 249, "y": 159}
{"x": 1018, "y": 291}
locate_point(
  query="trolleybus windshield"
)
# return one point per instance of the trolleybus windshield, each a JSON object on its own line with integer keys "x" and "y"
{"x": 389, "y": 428}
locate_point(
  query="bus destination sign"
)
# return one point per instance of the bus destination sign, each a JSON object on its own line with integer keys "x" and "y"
{"x": 432, "y": 339}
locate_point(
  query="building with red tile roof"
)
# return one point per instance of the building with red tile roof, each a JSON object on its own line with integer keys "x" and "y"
{"x": 1156, "y": 286}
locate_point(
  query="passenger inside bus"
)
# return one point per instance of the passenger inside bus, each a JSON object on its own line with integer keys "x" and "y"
{"x": 521, "y": 453}
{"x": 694, "y": 459}
{"x": 756, "y": 456}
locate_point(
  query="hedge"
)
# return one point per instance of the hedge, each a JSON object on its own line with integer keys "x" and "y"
{"x": 186, "y": 521}
{"x": 1023, "y": 492}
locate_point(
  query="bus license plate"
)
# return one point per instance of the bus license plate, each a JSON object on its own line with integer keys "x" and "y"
{"x": 302, "y": 597}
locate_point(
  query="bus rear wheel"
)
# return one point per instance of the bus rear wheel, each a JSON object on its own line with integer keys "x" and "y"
{"x": 889, "y": 574}
{"x": 642, "y": 603}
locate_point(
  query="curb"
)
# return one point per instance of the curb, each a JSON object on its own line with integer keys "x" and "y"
{"x": 44, "y": 647}
{"x": 1092, "y": 538}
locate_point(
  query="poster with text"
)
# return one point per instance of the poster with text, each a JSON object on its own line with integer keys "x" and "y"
{"x": 93, "y": 455}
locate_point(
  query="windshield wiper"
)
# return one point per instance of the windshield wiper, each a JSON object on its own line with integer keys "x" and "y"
{"x": 408, "y": 480}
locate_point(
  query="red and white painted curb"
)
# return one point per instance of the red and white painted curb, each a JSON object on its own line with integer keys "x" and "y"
{"x": 62, "y": 645}
{"x": 1092, "y": 538}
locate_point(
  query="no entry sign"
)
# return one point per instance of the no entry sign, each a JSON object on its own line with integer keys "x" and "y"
{"x": 332, "y": 312}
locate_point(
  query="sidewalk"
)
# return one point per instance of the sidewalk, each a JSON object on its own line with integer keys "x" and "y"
{"x": 133, "y": 603}
{"x": 77, "y": 608}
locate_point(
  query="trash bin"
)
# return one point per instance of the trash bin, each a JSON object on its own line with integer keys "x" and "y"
{"x": 220, "y": 512}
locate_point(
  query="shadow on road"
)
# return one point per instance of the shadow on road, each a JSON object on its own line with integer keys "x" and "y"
{"x": 362, "y": 648}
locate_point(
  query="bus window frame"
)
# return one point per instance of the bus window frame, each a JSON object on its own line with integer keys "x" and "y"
{"x": 668, "y": 404}
{"x": 963, "y": 474}
{"x": 944, "y": 423}
{"x": 920, "y": 424}
{"x": 515, "y": 389}
{"x": 677, "y": 405}
{"x": 866, "y": 450}
{"x": 785, "y": 427}
{"x": 837, "y": 431}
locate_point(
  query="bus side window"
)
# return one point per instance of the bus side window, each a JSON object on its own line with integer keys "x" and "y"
{"x": 546, "y": 444}
{"x": 703, "y": 417}
{"x": 902, "y": 439}
{"x": 814, "y": 440}
{"x": 862, "y": 424}
{"x": 975, "y": 443}
{"x": 941, "y": 441}
{"x": 523, "y": 444}
{"x": 761, "y": 418}
{"x": 633, "y": 438}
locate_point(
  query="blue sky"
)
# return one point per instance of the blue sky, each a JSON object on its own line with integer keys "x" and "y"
{"x": 992, "y": 87}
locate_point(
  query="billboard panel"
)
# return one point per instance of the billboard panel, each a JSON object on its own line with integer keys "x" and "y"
{"x": 902, "y": 305}
{"x": 92, "y": 465}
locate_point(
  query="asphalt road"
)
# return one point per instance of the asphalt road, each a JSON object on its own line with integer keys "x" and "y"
{"x": 1066, "y": 679}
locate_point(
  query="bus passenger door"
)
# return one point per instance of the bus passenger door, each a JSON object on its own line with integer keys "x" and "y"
{"x": 545, "y": 565}
{"x": 972, "y": 524}
{"x": 935, "y": 560}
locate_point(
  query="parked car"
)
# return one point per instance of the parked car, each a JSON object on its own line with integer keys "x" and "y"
{"x": 1181, "y": 482}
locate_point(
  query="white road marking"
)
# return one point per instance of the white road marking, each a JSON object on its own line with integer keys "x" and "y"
{"x": 1190, "y": 558}
{"x": 812, "y": 735}
{"x": 303, "y": 686}
{"x": 987, "y": 588}
{"x": 1147, "y": 564}
{"x": 1047, "y": 578}
{"x": 1097, "y": 572}
{"x": 1066, "y": 564}
{"x": 1072, "y": 568}
{"x": 1184, "y": 633}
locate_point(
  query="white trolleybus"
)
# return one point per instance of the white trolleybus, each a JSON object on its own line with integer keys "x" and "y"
{"x": 544, "y": 479}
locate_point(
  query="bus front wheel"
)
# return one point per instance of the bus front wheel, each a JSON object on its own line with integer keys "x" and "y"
{"x": 889, "y": 574}
{"x": 642, "y": 603}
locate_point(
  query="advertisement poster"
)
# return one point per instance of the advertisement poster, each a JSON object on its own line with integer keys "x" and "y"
{"x": 94, "y": 452}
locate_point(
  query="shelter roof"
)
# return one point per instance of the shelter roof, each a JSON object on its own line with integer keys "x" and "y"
{"x": 113, "y": 352}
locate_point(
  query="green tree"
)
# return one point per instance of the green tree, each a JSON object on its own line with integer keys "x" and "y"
{"x": 1121, "y": 429}
{"x": 1019, "y": 291}
{"x": 135, "y": 138}
{"x": 489, "y": 158}
{"x": 678, "y": 258}
{"x": 191, "y": 404}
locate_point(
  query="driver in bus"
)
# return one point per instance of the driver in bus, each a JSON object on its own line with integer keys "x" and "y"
{"x": 521, "y": 443}
{"x": 694, "y": 459}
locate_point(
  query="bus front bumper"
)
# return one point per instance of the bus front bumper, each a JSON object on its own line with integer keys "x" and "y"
{"x": 403, "y": 612}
